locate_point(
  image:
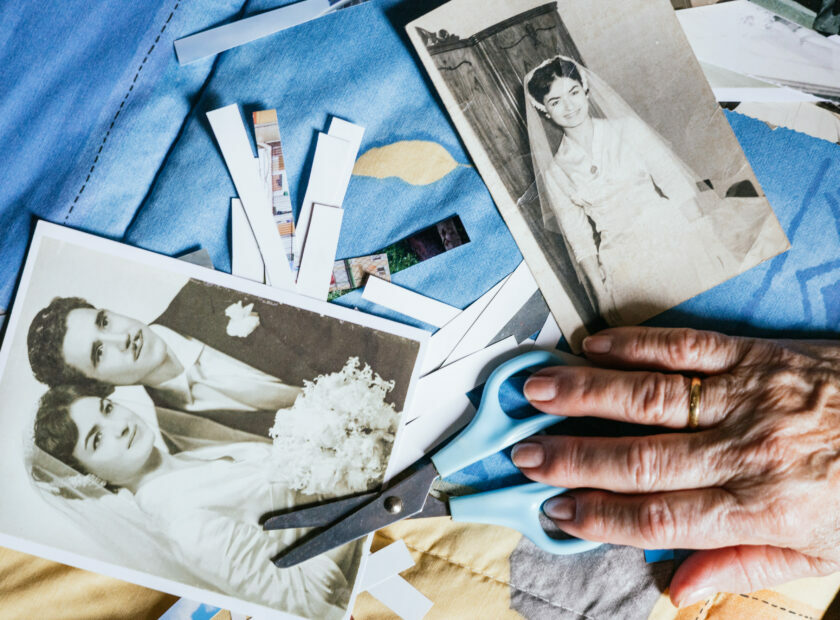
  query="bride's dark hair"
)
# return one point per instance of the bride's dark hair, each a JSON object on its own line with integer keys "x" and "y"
{"x": 55, "y": 432}
{"x": 542, "y": 79}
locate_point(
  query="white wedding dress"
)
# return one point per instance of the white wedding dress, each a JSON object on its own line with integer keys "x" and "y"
{"x": 630, "y": 205}
{"x": 210, "y": 513}
{"x": 654, "y": 246}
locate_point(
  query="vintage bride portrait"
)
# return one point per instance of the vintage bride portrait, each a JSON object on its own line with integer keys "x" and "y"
{"x": 604, "y": 150}
{"x": 609, "y": 183}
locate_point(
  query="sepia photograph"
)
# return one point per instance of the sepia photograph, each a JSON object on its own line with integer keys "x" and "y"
{"x": 154, "y": 410}
{"x": 604, "y": 149}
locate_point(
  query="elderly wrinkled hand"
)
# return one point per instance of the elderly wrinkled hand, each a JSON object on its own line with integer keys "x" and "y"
{"x": 755, "y": 487}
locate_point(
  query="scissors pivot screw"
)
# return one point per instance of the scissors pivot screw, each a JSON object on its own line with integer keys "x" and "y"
{"x": 393, "y": 504}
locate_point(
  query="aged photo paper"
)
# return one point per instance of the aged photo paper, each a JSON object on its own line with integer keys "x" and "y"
{"x": 153, "y": 410}
{"x": 604, "y": 150}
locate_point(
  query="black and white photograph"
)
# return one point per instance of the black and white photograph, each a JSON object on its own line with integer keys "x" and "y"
{"x": 604, "y": 149}
{"x": 154, "y": 410}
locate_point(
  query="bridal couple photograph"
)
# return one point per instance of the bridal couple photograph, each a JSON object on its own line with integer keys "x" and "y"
{"x": 156, "y": 398}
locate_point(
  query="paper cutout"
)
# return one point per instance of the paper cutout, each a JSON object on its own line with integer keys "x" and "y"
{"x": 245, "y": 258}
{"x": 402, "y": 598}
{"x": 513, "y": 295}
{"x": 243, "y": 167}
{"x": 386, "y": 563}
{"x": 319, "y": 252}
{"x": 273, "y": 174}
{"x": 409, "y": 303}
{"x": 444, "y": 341}
{"x": 216, "y": 40}
{"x": 329, "y": 175}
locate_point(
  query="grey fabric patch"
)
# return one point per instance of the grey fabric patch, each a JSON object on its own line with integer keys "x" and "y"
{"x": 606, "y": 583}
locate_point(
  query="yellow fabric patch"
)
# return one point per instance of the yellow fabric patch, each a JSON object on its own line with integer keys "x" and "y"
{"x": 462, "y": 568}
{"x": 37, "y": 588}
{"x": 417, "y": 162}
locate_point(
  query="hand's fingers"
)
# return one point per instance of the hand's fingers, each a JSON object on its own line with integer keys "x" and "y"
{"x": 697, "y": 519}
{"x": 624, "y": 464}
{"x": 680, "y": 349}
{"x": 641, "y": 397}
{"x": 741, "y": 569}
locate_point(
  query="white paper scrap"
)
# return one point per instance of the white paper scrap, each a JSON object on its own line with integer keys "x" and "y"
{"x": 353, "y": 134}
{"x": 745, "y": 38}
{"x": 514, "y": 293}
{"x": 217, "y": 40}
{"x": 316, "y": 265}
{"x": 402, "y": 598}
{"x": 244, "y": 169}
{"x": 385, "y": 563}
{"x": 326, "y": 183}
{"x": 444, "y": 340}
{"x": 445, "y": 390}
{"x": 408, "y": 302}
{"x": 245, "y": 258}
{"x": 550, "y": 334}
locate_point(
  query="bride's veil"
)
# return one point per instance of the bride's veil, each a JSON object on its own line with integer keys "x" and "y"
{"x": 116, "y": 529}
{"x": 545, "y": 138}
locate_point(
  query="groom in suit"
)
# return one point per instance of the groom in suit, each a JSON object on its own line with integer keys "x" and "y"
{"x": 188, "y": 360}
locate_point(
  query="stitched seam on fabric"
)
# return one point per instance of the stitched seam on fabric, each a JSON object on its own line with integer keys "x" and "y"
{"x": 119, "y": 110}
{"x": 779, "y": 607}
{"x": 491, "y": 577}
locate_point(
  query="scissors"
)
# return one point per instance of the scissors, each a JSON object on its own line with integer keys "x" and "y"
{"x": 411, "y": 493}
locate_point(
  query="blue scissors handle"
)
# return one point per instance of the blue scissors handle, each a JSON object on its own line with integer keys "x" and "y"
{"x": 492, "y": 429}
{"x": 517, "y": 507}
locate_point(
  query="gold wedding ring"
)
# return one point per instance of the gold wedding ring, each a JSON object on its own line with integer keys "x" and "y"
{"x": 694, "y": 402}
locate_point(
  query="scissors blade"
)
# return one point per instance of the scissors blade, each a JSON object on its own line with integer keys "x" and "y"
{"x": 316, "y": 515}
{"x": 400, "y": 500}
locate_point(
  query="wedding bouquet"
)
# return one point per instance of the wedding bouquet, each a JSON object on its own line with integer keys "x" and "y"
{"x": 337, "y": 437}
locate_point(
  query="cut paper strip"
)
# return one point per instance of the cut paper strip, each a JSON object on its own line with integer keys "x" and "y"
{"x": 217, "y": 40}
{"x": 319, "y": 252}
{"x": 444, "y": 340}
{"x": 439, "y": 422}
{"x": 325, "y": 185}
{"x": 408, "y": 302}
{"x": 353, "y": 134}
{"x": 511, "y": 297}
{"x": 402, "y": 598}
{"x": 385, "y": 563}
{"x": 273, "y": 174}
{"x": 245, "y": 258}
{"x": 444, "y": 391}
{"x": 244, "y": 169}
{"x": 549, "y": 335}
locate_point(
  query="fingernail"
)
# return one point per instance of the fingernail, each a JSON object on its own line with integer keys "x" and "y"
{"x": 700, "y": 594}
{"x": 561, "y": 508}
{"x": 540, "y": 388}
{"x": 527, "y": 454}
{"x": 597, "y": 344}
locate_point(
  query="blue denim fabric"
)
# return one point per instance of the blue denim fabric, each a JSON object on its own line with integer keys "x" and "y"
{"x": 333, "y": 66}
{"x": 91, "y": 101}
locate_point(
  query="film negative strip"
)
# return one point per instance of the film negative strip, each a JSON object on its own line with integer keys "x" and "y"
{"x": 351, "y": 273}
